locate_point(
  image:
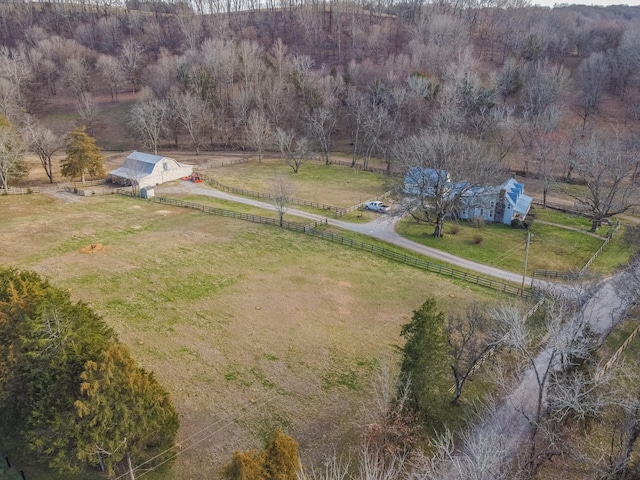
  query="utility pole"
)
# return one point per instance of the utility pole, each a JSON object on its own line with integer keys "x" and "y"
{"x": 526, "y": 259}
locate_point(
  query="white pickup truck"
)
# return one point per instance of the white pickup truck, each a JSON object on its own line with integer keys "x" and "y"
{"x": 376, "y": 206}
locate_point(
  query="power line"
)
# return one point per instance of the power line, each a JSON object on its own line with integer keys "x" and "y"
{"x": 259, "y": 405}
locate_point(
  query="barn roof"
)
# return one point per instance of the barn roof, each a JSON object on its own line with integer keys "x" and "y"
{"x": 136, "y": 165}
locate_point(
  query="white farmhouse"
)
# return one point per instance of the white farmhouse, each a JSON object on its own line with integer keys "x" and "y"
{"x": 146, "y": 170}
{"x": 500, "y": 203}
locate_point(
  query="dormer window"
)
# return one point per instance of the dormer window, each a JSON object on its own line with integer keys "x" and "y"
{"x": 165, "y": 166}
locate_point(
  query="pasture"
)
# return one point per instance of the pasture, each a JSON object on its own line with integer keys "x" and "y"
{"x": 249, "y": 327}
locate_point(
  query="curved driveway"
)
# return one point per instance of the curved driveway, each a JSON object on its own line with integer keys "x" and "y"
{"x": 383, "y": 228}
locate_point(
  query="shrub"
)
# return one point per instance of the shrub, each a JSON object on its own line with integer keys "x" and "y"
{"x": 478, "y": 239}
{"x": 454, "y": 229}
{"x": 516, "y": 223}
{"x": 477, "y": 222}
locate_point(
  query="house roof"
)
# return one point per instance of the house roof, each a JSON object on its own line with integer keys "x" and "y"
{"x": 523, "y": 204}
{"x": 420, "y": 175}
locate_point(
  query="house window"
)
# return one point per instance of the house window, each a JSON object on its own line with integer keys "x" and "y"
{"x": 481, "y": 211}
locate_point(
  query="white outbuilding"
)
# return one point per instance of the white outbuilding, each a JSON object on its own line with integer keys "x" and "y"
{"x": 148, "y": 170}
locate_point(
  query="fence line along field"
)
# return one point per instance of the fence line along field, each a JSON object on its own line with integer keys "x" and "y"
{"x": 228, "y": 313}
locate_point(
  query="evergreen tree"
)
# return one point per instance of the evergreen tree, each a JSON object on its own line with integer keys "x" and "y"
{"x": 124, "y": 416}
{"x": 277, "y": 461}
{"x": 281, "y": 457}
{"x": 424, "y": 362}
{"x": 83, "y": 156}
{"x": 69, "y": 387}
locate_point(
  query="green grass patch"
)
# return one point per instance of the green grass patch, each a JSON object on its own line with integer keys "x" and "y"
{"x": 568, "y": 220}
{"x": 616, "y": 254}
{"x": 328, "y": 184}
{"x": 503, "y": 247}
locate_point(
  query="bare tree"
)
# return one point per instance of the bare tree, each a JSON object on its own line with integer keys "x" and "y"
{"x": 147, "y": 117}
{"x": 442, "y": 169}
{"x": 88, "y": 112}
{"x": 607, "y": 168}
{"x": 131, "y": 62}
{"x": 281, "y": 189}
{"x": 258, "y": 131}
{"x": 320, "y": 124}
{"x": 565, "y": 342}
{"x": 296, "y": 150}
{"x": 43, "y": 142}
{"x": 594, "y": 79}
{"x": 76, "y": 77}
{"x": 112, "y": 73}
{"x": 469, "y": 340}
{"x": 191, "y": 112}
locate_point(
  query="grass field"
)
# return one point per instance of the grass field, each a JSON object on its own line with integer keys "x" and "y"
{"x": 249, "y": 327}
{"x": 330, "y": 184}
{"x": 503, "y": 247}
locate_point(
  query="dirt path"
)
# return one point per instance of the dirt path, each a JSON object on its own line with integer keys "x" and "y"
{"x": 383, "y": 228}
{"x": 507, "y": 426}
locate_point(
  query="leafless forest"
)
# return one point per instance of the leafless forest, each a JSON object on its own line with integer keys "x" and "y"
{"x": 536, "y": 87}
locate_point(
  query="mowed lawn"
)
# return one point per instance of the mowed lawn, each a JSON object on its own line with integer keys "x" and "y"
{"x": 501, "y": 246}
{"x": 334, "y": 185}
{"x": 249, "y": 327}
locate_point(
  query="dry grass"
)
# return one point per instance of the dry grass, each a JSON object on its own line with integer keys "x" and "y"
{"x": 248, "y": 326}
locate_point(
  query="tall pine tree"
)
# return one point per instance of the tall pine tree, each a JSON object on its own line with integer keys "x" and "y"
{"x": 83, "y": 156}
{"x": 425, "y": 362}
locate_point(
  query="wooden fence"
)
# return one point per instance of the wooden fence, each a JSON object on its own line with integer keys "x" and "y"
{"x": 616, "y": 355}
{"x": 312, "y": 229}
{"x": 381, "y": 170}
{"x": 566, "y": 275}
{"x": 296, "y": 227}
{"x": 72, "y": 186}
{"x": 337, "y": 211}
{"x": 19, "y": 191}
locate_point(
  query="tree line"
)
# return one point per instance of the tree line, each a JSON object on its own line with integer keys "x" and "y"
{"x": 374, "y": 80}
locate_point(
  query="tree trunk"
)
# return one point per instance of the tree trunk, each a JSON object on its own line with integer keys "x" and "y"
{"x": 439, "y": 229}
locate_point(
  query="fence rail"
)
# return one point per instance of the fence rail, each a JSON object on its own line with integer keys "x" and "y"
{"x": 312, "y": 229}
{"x": 574, "y": 275}
{"x": 19, "y": 191}
{"x": 88, "y": 183}
{"x": 619, "y": 352}
{"x": 381, "y": 170}
{"x": 337, "y": 211}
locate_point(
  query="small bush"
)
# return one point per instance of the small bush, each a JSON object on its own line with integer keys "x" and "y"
{"x": 454, "y": 229}
{"x": 527, "y": 223}
{"x": 478, "y": 239}
{"x": 477, "y": 222}
{"x": 516, "y": 223}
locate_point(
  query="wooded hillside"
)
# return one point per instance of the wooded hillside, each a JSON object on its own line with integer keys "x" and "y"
{"x": 531, "y": 83}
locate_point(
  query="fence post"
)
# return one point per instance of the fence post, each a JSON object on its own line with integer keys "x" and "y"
{"x": 23, "y": 475}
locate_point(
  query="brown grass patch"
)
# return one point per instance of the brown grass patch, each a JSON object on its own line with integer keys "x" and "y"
{"x": 93, "y": 248}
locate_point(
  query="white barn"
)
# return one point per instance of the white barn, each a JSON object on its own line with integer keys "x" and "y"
{"x": 148, "y": 170}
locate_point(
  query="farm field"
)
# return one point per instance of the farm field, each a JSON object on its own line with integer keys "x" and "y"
{"x": 249, "y": 327}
